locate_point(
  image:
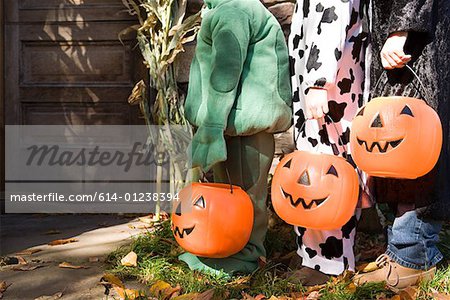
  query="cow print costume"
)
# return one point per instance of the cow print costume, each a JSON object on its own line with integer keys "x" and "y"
{"x": 328, "y": 44}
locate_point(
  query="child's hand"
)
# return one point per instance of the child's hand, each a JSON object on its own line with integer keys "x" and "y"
{"x": 392, "y": 54}
{"x": 208, "y": 147}
{"x": 316, "y": 103}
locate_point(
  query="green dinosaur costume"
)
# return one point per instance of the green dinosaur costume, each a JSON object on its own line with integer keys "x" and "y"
{"x": 239, "y": 95}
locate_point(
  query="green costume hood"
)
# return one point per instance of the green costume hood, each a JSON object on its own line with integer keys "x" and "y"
{"x": 239, "y": 78}
{"x": 214, "y": 3}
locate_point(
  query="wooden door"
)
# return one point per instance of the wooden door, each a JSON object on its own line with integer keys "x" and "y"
{"x": 65, "y": 63}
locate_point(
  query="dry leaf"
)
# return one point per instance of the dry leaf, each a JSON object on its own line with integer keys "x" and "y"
{"x": 52, "y": 297}
{"x": 22, "y": 261}
{"x": 190, "y": 296}
{"x": 207, "y": 295}
{"x": 3, "y": 286}
{"x": 112, "y": 279}
{"x": 26, "y": 267}
{"x": 28, "y": 251}
{"x": 148, "y": 220}
{"x": 351, "y": 287}
{"x": 313, "y": 296}
{"x": 94, "y": 259}
{"x": 128, "y": 294}
{"x": 409, "y": 293}
{"x": 62, "y": 242}
{"x": 368, "y": 267}
{"x": 50, "y": 232}
{"x": 67, "y": 265}
{"x": 439, "y": 296}
{"x": 396, "y": 297}
{"x": 163, "y": 290}
{"x": 130, "y": 260}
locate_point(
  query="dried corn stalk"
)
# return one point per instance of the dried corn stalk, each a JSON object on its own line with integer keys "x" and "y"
{"x": 161, "y": 34}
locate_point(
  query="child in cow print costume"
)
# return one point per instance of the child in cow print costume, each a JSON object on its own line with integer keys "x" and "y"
{"x": 328, "y": 44}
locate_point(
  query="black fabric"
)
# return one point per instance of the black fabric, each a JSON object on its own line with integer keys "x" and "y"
{"x": 428, "y": 23}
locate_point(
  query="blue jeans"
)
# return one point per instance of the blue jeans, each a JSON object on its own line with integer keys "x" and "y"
{"x": 412, "y": 241}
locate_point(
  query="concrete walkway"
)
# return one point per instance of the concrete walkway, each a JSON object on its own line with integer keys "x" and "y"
{"x": 97, "y": 235}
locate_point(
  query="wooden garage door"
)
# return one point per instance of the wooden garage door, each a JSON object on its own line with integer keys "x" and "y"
{"x": 65, "y": 65}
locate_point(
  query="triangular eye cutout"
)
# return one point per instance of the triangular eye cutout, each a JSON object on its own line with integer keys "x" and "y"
{"x": 361, "y": 112}
{"x": 332, "y": 170}
{"x": 200, "y": 202}
{"x": 407, "y": 111}
{"x": 288, "y": 164}
{"x": 304, "y": 179}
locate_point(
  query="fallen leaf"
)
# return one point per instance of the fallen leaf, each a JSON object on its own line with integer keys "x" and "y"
{"x": 210, "y": 295}
{"x": 246, "y": 296}
{"x": 148, "y": 219}
{"x": 28, "y": 251}
{"x": 62, "y": 242}
{"x": 94, "y": 259}
{"x": 163, "y": 290}
{"x": 67, "y": 265}
{"x": 439, "y": 296}
{"x": 112, "y": 279}
{"x": 190, "y": 296}
{"x": 26, "y": 267}
{"x": 409, "y": 293}
{"x": 22, "y": 261}
{"x": 130, "y": 260}
{"x": 396, "y": 297}
{"x": 351, "y": 287}
{"x": 52, "y": 297}
{"x": 3, "y": 286}
{"x": 368, "y": 267}
{"x": 128, "y": 294}
{"x": 313, "y": 296}
{"x": 50, "y": 232}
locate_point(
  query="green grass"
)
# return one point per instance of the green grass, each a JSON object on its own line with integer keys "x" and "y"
{"x": 158, "y": 251}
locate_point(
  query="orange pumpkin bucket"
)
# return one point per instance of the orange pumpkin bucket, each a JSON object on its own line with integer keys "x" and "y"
{"x": 212, "y": 219}
{"x": 313, "y": 190}
{"x": 396, "y": 137}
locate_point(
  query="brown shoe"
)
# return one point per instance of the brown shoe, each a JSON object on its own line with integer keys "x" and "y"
{"x": 396, "y": 276}
{"x": 307, "y": 277}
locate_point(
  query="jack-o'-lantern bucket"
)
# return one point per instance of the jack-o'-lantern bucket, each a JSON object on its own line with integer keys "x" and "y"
{"x": 396, "y": 137}
{"x": 212, "y": 219}
{"x": 314, "y": 190}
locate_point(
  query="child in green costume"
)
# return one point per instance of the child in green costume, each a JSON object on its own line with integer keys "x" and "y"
{"x": 239, "y": 95}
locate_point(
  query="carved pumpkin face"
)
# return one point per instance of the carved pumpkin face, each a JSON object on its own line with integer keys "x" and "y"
{"x": 313, "y": 190}
{"x": 210, "y": 221}
{"x": 397, "y": 137}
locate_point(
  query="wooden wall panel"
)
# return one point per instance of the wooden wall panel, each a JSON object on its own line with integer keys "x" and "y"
{"x": 66, "y": 65}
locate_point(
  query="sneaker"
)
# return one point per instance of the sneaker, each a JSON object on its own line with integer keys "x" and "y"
{"x": 397, "y": 277}
{"x": 307, "y": 277}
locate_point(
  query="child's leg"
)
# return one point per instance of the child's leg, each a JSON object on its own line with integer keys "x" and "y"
{"x": 412, "y": 241}
{"x": 328, "y": 251}
{"x": 249, "y": 161}
{"x": 411, "y": 254}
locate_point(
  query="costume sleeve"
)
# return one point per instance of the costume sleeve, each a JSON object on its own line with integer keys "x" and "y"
{"x": 325, "y": 29}
{"x": 411, "y": 15}
{"x": 230, "y": 35}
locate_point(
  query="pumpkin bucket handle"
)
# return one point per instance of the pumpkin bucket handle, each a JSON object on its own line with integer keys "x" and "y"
{"x": 228, "y": 176}
{"x": 335, "y": 128}
{"x": 424, "y": 90}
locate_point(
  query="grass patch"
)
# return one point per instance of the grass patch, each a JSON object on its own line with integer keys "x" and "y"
{"x": 157, "y": 251}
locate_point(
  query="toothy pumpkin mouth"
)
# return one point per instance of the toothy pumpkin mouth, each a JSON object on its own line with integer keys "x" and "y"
{"x": 383, "y": 146}
{"x": 312, "y": 204}
{"x": 181, "y": 233}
